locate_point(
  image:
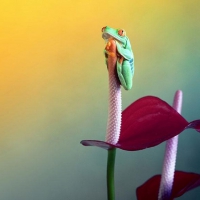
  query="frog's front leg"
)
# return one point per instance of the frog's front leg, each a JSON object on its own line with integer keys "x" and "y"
{"x": 125, "y": 73}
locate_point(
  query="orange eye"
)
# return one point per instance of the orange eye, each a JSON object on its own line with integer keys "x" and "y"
{"x": 102, "y": 30}
{"x": 121, "y": 32}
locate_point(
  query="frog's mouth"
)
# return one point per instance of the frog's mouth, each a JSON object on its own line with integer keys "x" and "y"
{"x": 107, "y": 36}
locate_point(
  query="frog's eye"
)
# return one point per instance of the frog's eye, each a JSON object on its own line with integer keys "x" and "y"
{"x": 102, "y": 30}
{"x": 121, "y": 32}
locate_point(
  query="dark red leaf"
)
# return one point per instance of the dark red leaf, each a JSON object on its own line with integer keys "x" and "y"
{"x": 183, "y": 182}
{"x": 147, "y": 122}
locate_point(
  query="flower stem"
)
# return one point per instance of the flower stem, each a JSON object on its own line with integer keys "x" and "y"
{"x": 110, "y": 174}
{"x": 169, "y": 163}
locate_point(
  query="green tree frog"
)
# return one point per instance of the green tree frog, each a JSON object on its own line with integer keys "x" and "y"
{"x": 125, "y": 61}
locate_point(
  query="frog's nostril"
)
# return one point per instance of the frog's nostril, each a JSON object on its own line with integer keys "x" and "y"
{"x": 103, "y": 29}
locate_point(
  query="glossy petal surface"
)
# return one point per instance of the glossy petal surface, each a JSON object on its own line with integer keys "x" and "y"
{"x": 183, "y": 182}
{"x": 147, "y": 122}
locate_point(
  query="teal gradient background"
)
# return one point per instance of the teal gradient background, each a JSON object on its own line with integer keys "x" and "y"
{"x": 54, "y": 93}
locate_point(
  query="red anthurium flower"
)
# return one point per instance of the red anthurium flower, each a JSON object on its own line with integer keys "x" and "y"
{"x": 147, "y": 122}
{"x": 183, "y": 182}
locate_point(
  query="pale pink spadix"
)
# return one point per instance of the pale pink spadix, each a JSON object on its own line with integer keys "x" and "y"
{"x": 114, "y": 108}
{"x": 169, "y": 163}
{"x": 115, "y": 102}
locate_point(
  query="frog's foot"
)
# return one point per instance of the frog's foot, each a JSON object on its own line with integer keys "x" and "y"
{"x": 110, "y": 52}
{"x": 110, "y": 48}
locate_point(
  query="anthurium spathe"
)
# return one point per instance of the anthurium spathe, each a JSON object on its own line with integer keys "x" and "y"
{"x": 147, "y": 122}
{"x": 183, "y": 182}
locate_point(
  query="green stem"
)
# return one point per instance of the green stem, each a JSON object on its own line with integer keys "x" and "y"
{"x": 110, "y": 174}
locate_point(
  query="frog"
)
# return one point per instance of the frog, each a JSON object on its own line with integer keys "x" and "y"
{"x": 125, "y": 57}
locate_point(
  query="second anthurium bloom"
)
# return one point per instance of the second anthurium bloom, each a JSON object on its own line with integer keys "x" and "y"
{"x": 171, "y": 183}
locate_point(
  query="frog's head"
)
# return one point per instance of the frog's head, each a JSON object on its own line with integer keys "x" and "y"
{"x": 117, "y": 34}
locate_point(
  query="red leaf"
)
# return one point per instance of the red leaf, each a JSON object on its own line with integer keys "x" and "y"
{"x": 147, "y": 122}
{"x": 183, "y": 182}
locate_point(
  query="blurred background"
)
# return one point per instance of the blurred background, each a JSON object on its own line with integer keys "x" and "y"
{"x": 54, "y": 93}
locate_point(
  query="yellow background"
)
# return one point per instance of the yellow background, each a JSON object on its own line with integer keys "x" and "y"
{"x": 53, "y": 92}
